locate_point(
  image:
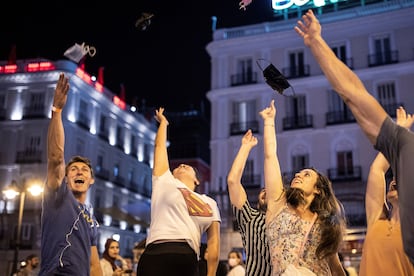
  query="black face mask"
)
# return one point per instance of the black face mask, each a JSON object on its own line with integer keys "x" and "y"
{"x": 275, "y": 79}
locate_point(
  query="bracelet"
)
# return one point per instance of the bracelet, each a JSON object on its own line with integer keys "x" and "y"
{"x": 269, "y": 125}
{"x": 56, "y": 109}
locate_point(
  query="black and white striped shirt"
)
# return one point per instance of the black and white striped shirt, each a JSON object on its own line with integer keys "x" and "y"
{"x": 253, "y": 233}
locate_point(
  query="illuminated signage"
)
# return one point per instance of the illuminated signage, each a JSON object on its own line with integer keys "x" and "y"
{"x": 285, "y": 4}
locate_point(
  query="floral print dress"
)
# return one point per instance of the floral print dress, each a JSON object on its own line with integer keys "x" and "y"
{"x": 290, "y": 243}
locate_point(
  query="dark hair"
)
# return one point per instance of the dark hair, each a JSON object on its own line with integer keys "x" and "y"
{"x": 30, "y": 257}
{"x": 81, "y": 159}
{"x": 197, "y": 174}
{"x": 105, "y": 254}
{"x": 331, "y": 216}
{"x": 140, "y": 244}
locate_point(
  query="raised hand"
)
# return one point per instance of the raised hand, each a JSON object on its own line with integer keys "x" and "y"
{"x": 159, "y": 115}
{"x": 249, "y": 139}
{"x": 61, "y": 92}
{"x": 269, "y": 112}
{"x": 403, "y": 119}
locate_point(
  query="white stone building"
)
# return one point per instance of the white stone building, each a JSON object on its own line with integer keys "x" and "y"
{"x": 98, "y": 125}
{"x": 314, "y": 128}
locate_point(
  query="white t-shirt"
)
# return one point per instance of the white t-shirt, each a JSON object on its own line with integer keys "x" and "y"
{"x": 179, "y": 213}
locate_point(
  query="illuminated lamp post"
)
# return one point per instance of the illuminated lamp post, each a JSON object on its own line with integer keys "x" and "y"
{"x": 11, "y": 192}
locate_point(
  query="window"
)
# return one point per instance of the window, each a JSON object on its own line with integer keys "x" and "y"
{"x": 80, "y": 146}
{"x": 345, "y": 163}
{"x": 99, "y": 163}
{"x": 244, "y": 70}
{"x": 382, "y": 49}
{"x": 296, "y": 64}
{"x": 116, "y": 170}
{"x": 244, "y": 117}
{"x": 296, "y": 106}
{"x": 299, "y": 162}
{"x": 387, "y": 98}
{"x": 102, "y": 125}
{"x": 338, "y": 111}
{"x": 33, "y": 144}
{"x": 340, "y": 51}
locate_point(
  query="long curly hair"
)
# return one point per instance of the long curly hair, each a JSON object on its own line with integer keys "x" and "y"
{"x": 331, "y": 214}
{"x": 105, "y": 254}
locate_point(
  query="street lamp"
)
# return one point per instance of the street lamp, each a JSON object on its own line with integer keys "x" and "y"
{"x": 10, "y": 193}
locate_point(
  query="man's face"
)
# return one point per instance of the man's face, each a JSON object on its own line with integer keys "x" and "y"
{"x": 79, "y": 177}
{"x": 34, "y": 262}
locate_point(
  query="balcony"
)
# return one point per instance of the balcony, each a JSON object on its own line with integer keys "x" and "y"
{"x": 339, "y": 117}
{"x": 83, "y": 121}
{"x": 34, "y": 112}
{"x": 242, "y": 79}
{"x": 251, "y": 181}
{"x": 296, "y": 72}
{"x": 383, "y": 58}
{"x": 29, "y": 156}
{"x": 345, "y": 174}
{"x": 102, "y": 173}
{"x": 297, "y": 122}
{"x": 242, "y": 127}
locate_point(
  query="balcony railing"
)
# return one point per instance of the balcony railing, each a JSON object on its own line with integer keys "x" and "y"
{"x": 29, "y": 156}
{"x": 242, "y": 127}
{"x": 296, "y": 71}
{"x": 297, "y": 122}
{"x": 102, "y": 173}
{"x": 34, "y": 112}
{"x": 251, "y": 181}
{"x": 241, "y": 79}
{"x": 339, "y": 117}
{"x": 345, "y": 174}
{"x": 383, "y": 58}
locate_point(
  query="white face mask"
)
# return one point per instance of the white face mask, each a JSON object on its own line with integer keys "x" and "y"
{"x": 347, "y": 263}
{"x": 233, "y": 262}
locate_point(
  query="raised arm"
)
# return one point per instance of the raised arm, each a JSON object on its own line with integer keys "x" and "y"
{"x": 365, "y": 108}
{"x": 161, "y": 164}
{"x": 236, "y": 191}
{"x": 376, "y": 185}
{"x": 272, "y": 174}
{"x": 56, "y": 136}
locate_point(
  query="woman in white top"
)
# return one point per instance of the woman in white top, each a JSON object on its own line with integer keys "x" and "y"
{"x": 236, "y": 266}
{"x": 109, "y": 258}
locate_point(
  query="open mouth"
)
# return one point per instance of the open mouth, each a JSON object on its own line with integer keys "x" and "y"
{"x": 79, "y": 181}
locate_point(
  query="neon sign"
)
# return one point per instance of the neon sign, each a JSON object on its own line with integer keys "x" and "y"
{"x": 285, "y": 4}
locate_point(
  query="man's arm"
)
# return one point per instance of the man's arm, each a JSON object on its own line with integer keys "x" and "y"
{"x": 161, "y": 164}
{"x": 367, "y": 111}
{"x": 96, "y": 269}
{"x": 213, "y": 245}
{"x": 56, "y": 136}
{"x": 236, "y": 191}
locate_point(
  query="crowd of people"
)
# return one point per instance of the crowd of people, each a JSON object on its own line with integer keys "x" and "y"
{"x": 293, "y": 230}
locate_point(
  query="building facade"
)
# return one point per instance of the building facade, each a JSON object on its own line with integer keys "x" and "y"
{"x": 98, "y": 125}
{"x": 314, "y": 127}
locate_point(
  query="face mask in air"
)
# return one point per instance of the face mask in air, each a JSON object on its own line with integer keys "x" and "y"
{"x": 77, "y": 52}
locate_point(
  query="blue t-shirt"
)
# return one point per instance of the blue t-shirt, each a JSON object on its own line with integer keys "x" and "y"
{"x": 68, "y": 232}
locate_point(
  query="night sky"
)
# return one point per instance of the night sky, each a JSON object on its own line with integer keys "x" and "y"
{"x": 166, "y": 63}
